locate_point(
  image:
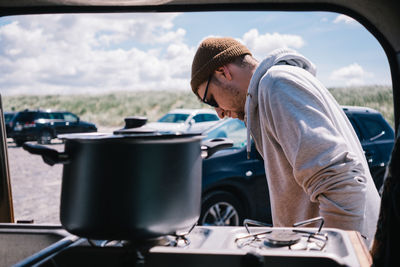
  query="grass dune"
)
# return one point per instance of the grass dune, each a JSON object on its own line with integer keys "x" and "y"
{"x": 376, "y": 97}
{"x": 110, "y": 109}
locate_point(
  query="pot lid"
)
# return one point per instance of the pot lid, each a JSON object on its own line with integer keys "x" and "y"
{"x": 137, "y": 130}
{"x": 146, "y": 131}
{"x": 135, "y": 127}
{"x": 135, "y": 133}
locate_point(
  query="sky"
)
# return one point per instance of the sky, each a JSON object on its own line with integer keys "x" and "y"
{"x": 103, "y": 53}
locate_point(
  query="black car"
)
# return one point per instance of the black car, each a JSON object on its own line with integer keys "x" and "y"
{"x": 376, "y": 137}
{"x": 44, "y": 125}
{"x": 235, "y": 188}
{"x": 7, "y": 121}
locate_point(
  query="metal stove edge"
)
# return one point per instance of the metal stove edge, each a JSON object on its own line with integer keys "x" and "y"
{"x": 218, "y": 236}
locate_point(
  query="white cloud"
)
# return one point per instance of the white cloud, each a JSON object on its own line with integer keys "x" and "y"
{"x": 262, "y": 44}
{"x": 345, "y": 19}
{"x": 101, "y": 53}
{"x": 93, "y": 53}
{"x": 351, "y": 75}
{"x": 106, "y": 52}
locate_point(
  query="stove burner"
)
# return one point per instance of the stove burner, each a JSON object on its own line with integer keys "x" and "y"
{"x": 175, "y": 240}
{"x": 279, "y": 238}
{"x": 293, "y": 239}
{"x": 165, "y": 241}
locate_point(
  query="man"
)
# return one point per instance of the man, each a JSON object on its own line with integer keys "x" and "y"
{"x": 314, "y": 162}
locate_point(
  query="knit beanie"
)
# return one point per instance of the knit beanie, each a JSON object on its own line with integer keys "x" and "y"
{"x": 212, "y": 54}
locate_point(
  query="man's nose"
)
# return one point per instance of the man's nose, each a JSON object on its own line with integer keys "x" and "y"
{"x": 220, "y": 112}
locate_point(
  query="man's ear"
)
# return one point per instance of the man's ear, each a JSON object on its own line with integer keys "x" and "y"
{"x": 224, "y": 73}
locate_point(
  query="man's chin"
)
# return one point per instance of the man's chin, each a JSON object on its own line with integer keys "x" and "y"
{"x": 239, "y": 115}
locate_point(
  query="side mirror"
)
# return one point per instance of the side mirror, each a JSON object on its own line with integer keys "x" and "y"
{"x": 191, "y": 122}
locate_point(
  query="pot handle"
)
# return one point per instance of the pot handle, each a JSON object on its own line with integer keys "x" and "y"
{"x": 49, "y": 155}
{"x": 209, "y": 147}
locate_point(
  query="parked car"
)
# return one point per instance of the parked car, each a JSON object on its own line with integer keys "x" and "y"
{"x": 376, "y": 137}
{"x": 44, "y": 125}
{"x": 190, "y": 120}
{"x": 235, "y": 188}
{"x": 7, "y": 121}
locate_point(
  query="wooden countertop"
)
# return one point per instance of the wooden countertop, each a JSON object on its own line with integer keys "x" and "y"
{"x": 364, "y": 257}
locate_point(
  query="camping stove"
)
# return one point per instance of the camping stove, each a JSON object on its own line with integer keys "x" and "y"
{"x": 259, "y": 246}
{"x": 212, "y": 246}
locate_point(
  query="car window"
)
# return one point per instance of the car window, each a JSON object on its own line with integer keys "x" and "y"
{"x": 205, "y": 117}
{"x": 70, "y": 117}
{"x": 8, "y": 117}
{"x": 25, "y": 117}
{"x": 210, "y": 117}
{"x": 373, "y": 127}
{"x": 198, "y": 118}
{"x": 56, "y": 116}
{"x": 174, "y": 117}
{"x": 233, "y": 129}
{"x": 355, "y": 127}
{"x": 44, "y": 115}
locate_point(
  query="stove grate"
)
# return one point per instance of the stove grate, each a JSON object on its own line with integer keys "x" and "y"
{"x": 294, "y": 239}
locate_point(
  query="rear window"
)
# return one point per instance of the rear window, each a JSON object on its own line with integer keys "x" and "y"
{"x": 25, "y": 116}
{"x": 8, "y": 116}
{"x": 56, "y": 116}
{"x": 174, "y": 117}
{"x": 44, "y": 115}
{"x": 70, "y": 117}
{"x": 205, "y": 117}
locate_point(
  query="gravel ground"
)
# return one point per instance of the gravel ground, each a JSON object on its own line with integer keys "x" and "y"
{"x": 36, "y": 186}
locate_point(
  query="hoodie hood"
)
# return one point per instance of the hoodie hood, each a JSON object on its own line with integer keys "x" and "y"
{"x": 281, "y": 56}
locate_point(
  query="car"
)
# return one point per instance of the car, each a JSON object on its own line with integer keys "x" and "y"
{"x": 186, "y": 120}
{"x": 376, "y": 137}
{"x": 235, "y": 188}
{"x": 44, "y": 125}
{"x": 8, "y": 115}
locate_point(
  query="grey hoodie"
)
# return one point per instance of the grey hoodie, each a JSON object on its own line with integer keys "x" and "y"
{"x": 314, "y": 162}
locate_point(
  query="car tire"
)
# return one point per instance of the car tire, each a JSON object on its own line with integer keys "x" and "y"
{"x": 45, "y": 137}
{"x": 221, "y": 208}
{"x": 19, "y": 142}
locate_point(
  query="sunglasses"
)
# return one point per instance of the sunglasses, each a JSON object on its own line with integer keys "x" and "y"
{"x": 212, "y": 101}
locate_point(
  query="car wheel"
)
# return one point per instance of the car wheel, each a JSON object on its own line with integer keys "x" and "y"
{"x": 19, "y": 142}
{"x": 44, "y": 138}
{"x": 221, "y": 209}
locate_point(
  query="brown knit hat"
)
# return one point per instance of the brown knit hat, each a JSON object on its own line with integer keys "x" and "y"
{"x": 212, "y": 54}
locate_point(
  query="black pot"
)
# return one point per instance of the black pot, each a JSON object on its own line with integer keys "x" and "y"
{"x": 129, "y": 186}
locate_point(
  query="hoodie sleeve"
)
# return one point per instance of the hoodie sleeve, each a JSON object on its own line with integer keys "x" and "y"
{"x": 298, "y": 119}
